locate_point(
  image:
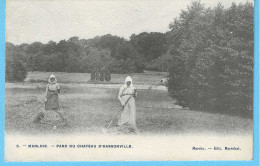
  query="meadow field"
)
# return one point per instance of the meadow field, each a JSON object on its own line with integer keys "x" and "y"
{"x": 90, "y": 109}
{"x": 146, "y": 78}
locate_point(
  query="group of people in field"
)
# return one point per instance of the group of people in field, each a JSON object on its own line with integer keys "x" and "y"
{"x": 126, "y": 96}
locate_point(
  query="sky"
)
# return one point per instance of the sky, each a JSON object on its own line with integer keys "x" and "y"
{"x": 29, "y": 21}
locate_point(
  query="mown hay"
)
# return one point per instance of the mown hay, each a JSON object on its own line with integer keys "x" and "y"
{"x": 30, "y": 99}
{"x": 53, "y": 118}
{"x": 124, "y": 129}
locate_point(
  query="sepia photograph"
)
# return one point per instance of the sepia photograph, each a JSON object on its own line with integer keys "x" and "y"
{"x": 114, "y": 80}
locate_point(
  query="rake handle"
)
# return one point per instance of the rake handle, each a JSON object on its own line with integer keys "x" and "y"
{"x": 114, "y": 117}
{"x": 118, "y": 112}
{"x": 30, "y": 114}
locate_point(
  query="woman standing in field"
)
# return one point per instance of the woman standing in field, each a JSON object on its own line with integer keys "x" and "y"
{"x": 52, "y": 90}
{"x": 126, "y": 96}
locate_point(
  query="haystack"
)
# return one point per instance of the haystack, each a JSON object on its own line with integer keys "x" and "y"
{"x": 54, "y": 118}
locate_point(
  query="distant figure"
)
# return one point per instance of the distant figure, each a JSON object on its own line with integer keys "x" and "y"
{"x": 52, "y": 90}
{"x": 126, "y": 96}
{"x": 102, "y": 76}
{"x": 164, "y": 81}
{"x": 92, "y": 75}
{"x": 97, "y": 76}
{"x": 108, "y": 76}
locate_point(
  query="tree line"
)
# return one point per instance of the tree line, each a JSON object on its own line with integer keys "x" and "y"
{"x": 208, "y": 52}
{"x": 107, "y": 52}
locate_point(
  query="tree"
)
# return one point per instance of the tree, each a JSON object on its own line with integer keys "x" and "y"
{"x": 34, "y": 48}
{"x": 15, "y": 68}
{"x": 127, "y": 60}
{"x": 213, "y": 52}
{"x": 111, "y": 42}
{"x": 150, "y": 45}
{"x": 50, "y": 48}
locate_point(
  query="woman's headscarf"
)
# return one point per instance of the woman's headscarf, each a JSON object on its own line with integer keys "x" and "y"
{"x": 127, "y": 79}
{"x": 55, "y": 80}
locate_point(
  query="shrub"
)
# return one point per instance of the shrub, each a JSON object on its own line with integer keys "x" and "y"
{"x": 15, "y": 71}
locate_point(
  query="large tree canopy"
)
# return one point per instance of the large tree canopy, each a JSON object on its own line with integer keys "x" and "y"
{"x": 213, "y": 57}
{"x": 150, "y": 45}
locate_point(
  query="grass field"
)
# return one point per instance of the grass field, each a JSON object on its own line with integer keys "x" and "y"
{"x": 146, "y": 78}
{"x": 89, "y": 110}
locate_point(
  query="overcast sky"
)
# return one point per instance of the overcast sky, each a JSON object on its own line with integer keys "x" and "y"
{"x": 28, "y": 21}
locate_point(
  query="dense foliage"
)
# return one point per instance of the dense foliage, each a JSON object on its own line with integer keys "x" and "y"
{"x": 80, "y": 55}
{"x": 15, "y": 68}
{"x": 213, "y": 54}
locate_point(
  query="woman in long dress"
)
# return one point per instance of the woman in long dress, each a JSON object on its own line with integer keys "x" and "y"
{"x": 52, "y": 90}
{"x": 126, "y": 96}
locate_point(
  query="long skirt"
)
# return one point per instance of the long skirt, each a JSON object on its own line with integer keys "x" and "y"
{"x": 52, "y": 101}
{"x": 128, "y": 115}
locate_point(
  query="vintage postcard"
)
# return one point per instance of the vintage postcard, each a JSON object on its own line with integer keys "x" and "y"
{"x": 114, "y": 80}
